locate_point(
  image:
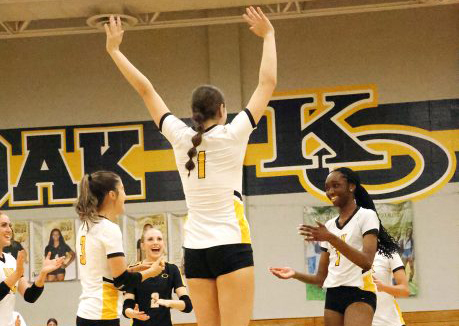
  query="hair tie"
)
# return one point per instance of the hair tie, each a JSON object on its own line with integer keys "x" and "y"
{"x": 89, "y": 177}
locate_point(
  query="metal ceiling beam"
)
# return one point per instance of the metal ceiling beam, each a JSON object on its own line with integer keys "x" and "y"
{"x": 286, "y": 10}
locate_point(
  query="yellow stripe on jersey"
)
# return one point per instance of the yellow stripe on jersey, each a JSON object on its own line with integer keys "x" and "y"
{"x": 368, "y": 284}
{"x": 201, "y": 164}
{"x": 8, "y": 272}
{"x": 109, "y": 301}
{"x": 399, "y": 312}
{"x": 243, "y": 224}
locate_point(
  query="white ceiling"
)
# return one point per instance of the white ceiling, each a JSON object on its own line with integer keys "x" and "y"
{"x": 31, "y": 18}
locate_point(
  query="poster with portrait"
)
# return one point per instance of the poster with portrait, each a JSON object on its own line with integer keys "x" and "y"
{"x": 142, "y": 223}
{"x": 56, "y": 238}
{"x": 396, "y": 218}
{"x": 21, "y": 241}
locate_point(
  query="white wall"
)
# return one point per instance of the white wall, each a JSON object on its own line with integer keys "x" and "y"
{"x": 410, "y": 56}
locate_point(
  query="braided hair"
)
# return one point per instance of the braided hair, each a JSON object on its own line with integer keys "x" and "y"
{"x": 205, "y": 103}
{"x": 386, "y": 243}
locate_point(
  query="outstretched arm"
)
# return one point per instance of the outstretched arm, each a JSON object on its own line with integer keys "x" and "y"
{"x": 286, "y": 273}
{"x": 261, "y": 26}
{"x": 31, "y": 292}
{"x": 141, "y": 84}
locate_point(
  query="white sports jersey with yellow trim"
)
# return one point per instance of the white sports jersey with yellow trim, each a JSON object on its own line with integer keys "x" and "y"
{"x": 387, "y": 310}
{"x": 341, "y": 271}
{"x": 99, "y": 300}
{"x": 7, "y": 267}
{"x": 213, "y": 189}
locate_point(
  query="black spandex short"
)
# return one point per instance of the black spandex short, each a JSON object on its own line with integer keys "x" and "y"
{"x": 219, "y": 260}
{"x": 87, "y": 322}
{"x": 339, "y": 298}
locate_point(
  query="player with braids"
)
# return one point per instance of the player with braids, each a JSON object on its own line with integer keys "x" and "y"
{"x": 386, "y": 243}
{"x": 218, "y": 251}
{"x": 205, "y": 102}
{"x": 349, "y": 243}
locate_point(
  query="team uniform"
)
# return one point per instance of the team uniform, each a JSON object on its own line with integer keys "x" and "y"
{"x": 7, "y": 267}
{"x": 387, "y": 312}
{"x": 346, "y": 282}
{"x": 217, "y": 235}
{"x": 163, "y": 284}
{"x": 100, "y": 301}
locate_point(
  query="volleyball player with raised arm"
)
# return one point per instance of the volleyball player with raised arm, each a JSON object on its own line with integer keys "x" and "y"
{"x": 100, "y": 254}
{"x": 349, "y": 243}
{"x": 218, "y": 252}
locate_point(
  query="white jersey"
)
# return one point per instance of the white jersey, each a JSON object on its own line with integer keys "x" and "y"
{"x": 7, "y": 267}
{"x": 387, "y": 310}
{"x": 341, "y": 271}
{"x": 16, "y": 315}
{"x": 213, "y": 189}
{"x": 99, "y": 300}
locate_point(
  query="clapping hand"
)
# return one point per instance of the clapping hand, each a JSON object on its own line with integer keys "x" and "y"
{"x": 137, "y": 314}
{"x": 50, "y": 265}
{"x": 314, "y": 233}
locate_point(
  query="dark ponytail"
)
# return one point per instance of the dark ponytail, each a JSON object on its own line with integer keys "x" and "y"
{"x": 386, "y": 243}
{"x": 205, "y": 103}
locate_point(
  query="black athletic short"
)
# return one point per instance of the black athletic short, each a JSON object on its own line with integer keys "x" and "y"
{"x": 87, "y": 322}
{"x": 219, "y": 260}
{"x": 339, "y": 298}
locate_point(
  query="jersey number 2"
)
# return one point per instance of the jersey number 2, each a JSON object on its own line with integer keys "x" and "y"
{"x": 83, "y": 250}
{"x": 201, "y": 164}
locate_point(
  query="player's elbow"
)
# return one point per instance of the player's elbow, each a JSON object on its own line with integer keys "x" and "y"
{"x": 366, "y": 266}
{"x": 405, "y": 292}
{"x": 320, "y": 279}
{"x": 269, "y": 82}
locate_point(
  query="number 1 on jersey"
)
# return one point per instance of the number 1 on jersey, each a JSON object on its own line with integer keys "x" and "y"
{"x": 201, "y": 164}
{"x": 83, "y": 250}
{"x": 343, "y": 237}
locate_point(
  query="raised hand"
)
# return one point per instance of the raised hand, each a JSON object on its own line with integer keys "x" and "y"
{"x": 259, "y": 23}
{"x": 164, "y": 303}
{"x": 379, "y": 284}
{"x": 314, "y": 233}
{"x": 50, "y": 265}
{"x": 155, "y": 269}
{"x": 114, "y": 32}
{"x": 18, "y": 321}
{"x": 136, "y": 314}
{"x": 20, "y": 263}
{"x": 284, "y": 273}
{"x": 140, "y": 266}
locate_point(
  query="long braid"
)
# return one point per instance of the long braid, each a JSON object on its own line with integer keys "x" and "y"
{"x": 205, "y": 103}
{"x": 386, "y": 243}
{"x": 196, "y": 140}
